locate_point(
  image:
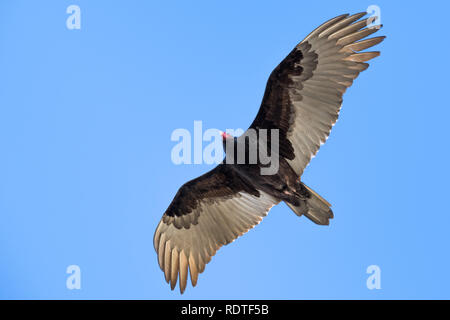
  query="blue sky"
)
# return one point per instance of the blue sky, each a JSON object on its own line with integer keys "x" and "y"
{"x": 85, "y": 169}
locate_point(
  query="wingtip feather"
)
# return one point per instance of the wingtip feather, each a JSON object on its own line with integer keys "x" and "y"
{"x": 362, "y": 56}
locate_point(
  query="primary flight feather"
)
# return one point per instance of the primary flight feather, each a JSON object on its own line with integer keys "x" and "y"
{"x": 302, "y": 100}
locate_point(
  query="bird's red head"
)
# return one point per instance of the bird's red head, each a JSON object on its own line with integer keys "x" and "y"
{"x": 225, "y": 136}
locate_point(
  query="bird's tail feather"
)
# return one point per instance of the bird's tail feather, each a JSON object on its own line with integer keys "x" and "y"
{"x": 315, "y": 208}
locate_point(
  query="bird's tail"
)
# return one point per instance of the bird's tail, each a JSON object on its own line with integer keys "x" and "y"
{"x": 315, "y": 208}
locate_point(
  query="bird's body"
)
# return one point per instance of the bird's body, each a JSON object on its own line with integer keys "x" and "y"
{"x": 283, "y": 185}
{"x": 301, "y": 103}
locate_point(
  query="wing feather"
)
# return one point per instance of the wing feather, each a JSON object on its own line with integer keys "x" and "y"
{"x": 306, "y": 88}
{"x": 224, "y": 210}
{"x": 183, "y": 270}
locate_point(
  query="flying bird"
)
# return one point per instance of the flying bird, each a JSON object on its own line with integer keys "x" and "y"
{"x": 302, "y": 100}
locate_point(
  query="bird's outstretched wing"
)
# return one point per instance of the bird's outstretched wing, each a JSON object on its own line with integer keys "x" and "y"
{"x": 304, "y": 92}
{"x": 206, "y": 213}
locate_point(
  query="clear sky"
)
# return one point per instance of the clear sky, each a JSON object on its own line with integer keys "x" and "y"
{"x": 86, "y": 118}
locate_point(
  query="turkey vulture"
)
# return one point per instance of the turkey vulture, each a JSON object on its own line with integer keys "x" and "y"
{"x": 302, "y": 100}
